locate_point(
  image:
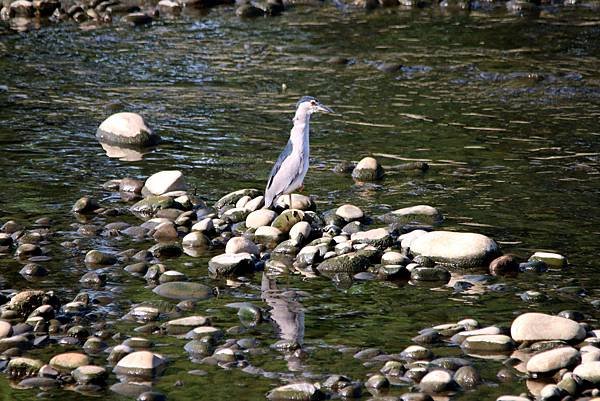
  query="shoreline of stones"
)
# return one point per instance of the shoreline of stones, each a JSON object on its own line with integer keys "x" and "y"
{"x": 20, "y": 14}
{"x": 338, "y": 244}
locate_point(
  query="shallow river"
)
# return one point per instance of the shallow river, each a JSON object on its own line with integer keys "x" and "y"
{"x": 504, "y": 108}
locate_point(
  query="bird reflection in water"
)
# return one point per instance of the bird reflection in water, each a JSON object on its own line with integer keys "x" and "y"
{"x": 288, "y": 316}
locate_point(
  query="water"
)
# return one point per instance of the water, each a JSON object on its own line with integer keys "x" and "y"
{"x": 504, "y": 108}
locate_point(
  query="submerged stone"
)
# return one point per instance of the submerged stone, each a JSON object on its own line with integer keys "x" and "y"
{"x": 423, "y": 214}
{"x": 183, "y": 290}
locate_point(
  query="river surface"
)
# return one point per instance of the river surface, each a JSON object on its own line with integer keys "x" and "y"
{"x": 504, "y": 108}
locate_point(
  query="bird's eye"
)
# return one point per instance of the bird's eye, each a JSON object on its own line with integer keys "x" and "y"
{"x": 313, "y": 102}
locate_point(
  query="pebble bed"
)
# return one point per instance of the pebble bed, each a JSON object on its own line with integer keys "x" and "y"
{"x": 558, "y": 357}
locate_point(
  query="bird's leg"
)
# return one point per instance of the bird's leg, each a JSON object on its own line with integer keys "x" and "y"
{"x": 301, "y": 189}
{"x": 290, "y": 206}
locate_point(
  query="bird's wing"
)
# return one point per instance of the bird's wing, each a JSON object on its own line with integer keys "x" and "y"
{"x": 284, "y": 154}
{"x": 286, "y": 170}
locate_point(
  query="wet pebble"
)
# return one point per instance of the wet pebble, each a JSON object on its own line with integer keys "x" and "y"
{"x": 87, "y": 374}
{"x": 33, "y": 270}
{"x": 296, "y": 392}
{"x": 368, "y": 169}
{"x": 140, "y": 364}
{"x": 183, "y": 290}
{"x": 538, "y": 326}
{"x": 95, "y": 257}
{"x": 231, "y": 264}
{"x": 69, "y": 361}
{"x": 437, "y": 381}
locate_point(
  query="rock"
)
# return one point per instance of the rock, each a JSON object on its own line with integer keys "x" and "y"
{"x": 416, "y": 352}
{"x": 415, "y": 397}
{"x": 407, "y": 239}
{"x": 255, "y": 203}
{"x": 87, "y": 374}
{"x": 268, "y": 236}
{"x": 550, "y": 392}
{"x": 434, "y": 274}
{"x": 300, "y": 232}
{"x": 504, "y": 265}
{"x": 42, "y": 383}
{"x": 247, "y": 10}
{"x": 68, "y": 361}
{"x": 85, "y": 205}
{"x": 539, "y": 327}
{"x": 379, "y": 238}
{"x": 227, "y": 265}
{"x": 436, "y": 381}
{"x": 195, "y": 239}
{"x": 420, "y": 214}
{"x": 458, "y": 338}
{"x": 368, "y": 169}
{"x": 235, "y": 215}
{"x": 166, "y": 250}
{"x": 549, "y": 361}
{"x": 349, "y": 212}
{"x": 183, "y": 290}
{"x": 377, "y": 382}
{"x": 287, "y": 219}
{"x": 232, "y": 198}
{"x": 165, "y": 181}
{"x": 151, "y": 204}
{"x": 14, "y": 342}
{"x": 93, "y": 279}
{"x": 95, "y": 257}
{"x": 299, "y": 202}
{"x": 169, "y": 7}
{"x": 296, "y": 392}
{"x": 259, "y": 218}
{"x": 241, "y": 245}
{"x": 589, "y": 371}
{"x": 589, "y": 353}
{"x": 25, "y": 251}
{"x": 130, "y": 390}
{"x": 20, "y": 367}
{"x": 152, "y": 395}
{"x": 467, "y": 377}
{"x": 456, "y": 249}
{"x": 185, "y": 324}
{"x": 141, "y": 364}
{"x": 21, "y": 9}
{"x": 553, "y": 260}
{"x": 165, "y": 232}
{"x": 350, "y": 263}
{"x": 5, "y": 329}
{"x": 394, "y": 258}
{"x": 171, "y": 276}
{"x": 126, "y": 129}
{"x": 488, "y": 343}
{"x": 25, "y": 302}
{"x": 131, "y": 185}
{"x": 33, "y": 270}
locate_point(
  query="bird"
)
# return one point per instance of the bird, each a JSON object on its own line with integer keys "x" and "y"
{"x": 291, "y": 166}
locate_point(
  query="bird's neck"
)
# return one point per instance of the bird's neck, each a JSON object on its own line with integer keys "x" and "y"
{"x": 299, "y": 133}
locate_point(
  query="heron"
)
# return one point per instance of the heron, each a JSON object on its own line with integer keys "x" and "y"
{"x": 291, "y": 166}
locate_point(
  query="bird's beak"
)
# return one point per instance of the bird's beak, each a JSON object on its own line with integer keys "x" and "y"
{"x": 323, "y": 108}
